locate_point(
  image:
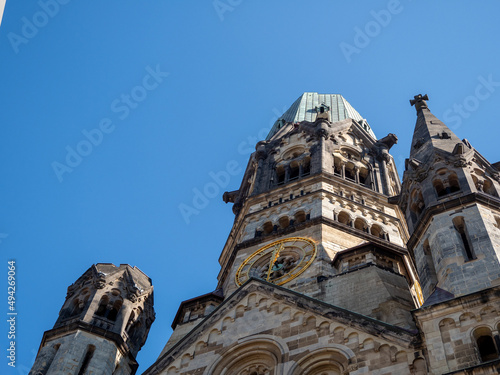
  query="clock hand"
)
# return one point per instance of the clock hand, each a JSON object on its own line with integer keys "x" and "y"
{"x": 274, "y": 258}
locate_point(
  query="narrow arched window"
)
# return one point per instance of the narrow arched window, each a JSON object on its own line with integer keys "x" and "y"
{"x": 306, "y": 167}
{"x": 294, "y": 170}
{"x": 280, "y": 174}
{"x": 453, "y": 181}
{"x": 86, "y": 359}
{"x": 461, "y": 229}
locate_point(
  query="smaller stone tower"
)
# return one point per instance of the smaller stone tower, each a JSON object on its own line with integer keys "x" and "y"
{"x": 102, "y": 325}
{"x": 450, "y": 200}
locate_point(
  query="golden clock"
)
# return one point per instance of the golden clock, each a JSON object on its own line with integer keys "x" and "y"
{"x": 278, "y": 262}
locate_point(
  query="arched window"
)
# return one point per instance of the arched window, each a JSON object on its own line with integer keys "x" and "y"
{"x": 439, "y": 187}
{"x": 364, "y": 173}
{"x": 461, "y": 229}
{"x": 103, "y": 303}
{"x": 284, "y": 222}
{"x": 86, "y": 360}
{"x": 453, "y": 181}
{"x": 280, "y": 174}
{"x": 259, "y": 357}
{"x": 431, "y": 269}
{"x": 376, "y": 230}
{"x": 306, "y": 167}
{"x": 489, "y": 188}
{"x": 344, "y": 218}
{"x": 417, "y": 202}
{"x": 300, "y": 217}
{"x": 294, "y": 170}
{"x": 113, "y": 313}
{"x": 350, "y": 174}
{"x": 485, "y": 344}
{"x": 268, "y": 227}
{"x": 337, "y": 167}
{"x": 360, "y": 224}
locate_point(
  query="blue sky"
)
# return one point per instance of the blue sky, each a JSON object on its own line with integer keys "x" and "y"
{"x": 172, "y": 93}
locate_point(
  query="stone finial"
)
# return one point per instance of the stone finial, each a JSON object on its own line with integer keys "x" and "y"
{"x": 322, "y": 112}
{"x": 419, "y": 101}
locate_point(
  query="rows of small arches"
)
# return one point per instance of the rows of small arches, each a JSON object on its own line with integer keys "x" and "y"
{"x": 282, "y": 222}
{"x": 361, "y": 224}
{"x": 482, "y": 336}
{"x": 341, "y": 336}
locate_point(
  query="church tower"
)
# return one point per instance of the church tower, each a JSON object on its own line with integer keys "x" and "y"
{"x": 102, "y": 325}
{"x": 322, "y": 175}
{"x": 450, "y": 200}
{"x": 315, "y": 266}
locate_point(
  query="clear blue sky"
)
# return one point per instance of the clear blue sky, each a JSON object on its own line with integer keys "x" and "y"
{"x": 70, "y": 69}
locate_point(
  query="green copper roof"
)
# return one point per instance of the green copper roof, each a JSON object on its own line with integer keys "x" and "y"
{"x": 304, "y": 109}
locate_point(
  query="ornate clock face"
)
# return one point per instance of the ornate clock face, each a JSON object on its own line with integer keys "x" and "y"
{"x": 279, "y": 262}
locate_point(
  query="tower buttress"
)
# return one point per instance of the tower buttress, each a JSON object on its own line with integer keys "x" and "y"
{"x": 102, "y": 325}
{"x": 450, "y": 201}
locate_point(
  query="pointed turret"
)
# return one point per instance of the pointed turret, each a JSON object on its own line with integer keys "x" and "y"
{"x": 448, "y": 210}
{"x": 431, "y": 134}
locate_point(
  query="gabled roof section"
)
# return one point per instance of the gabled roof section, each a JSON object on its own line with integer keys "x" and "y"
{"x": 297, "y": 302}
{"x": 304, "y": 109}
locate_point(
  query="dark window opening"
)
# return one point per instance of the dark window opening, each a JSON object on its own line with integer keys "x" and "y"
{"x": 268, "y": 227}
{"x": 294, "y": 172}
{"x": 306, "y": 168}
{"x": 349, "y": 175}
{"x": 439, "y": 187}
{"x": 487, "y": 349}
{"x": 86, "y": 359}
{"x": 101, "y": 310}
{"x": 113, "y": 313}
{"x": 280, "y": 172}
{"x": 460, "y": 227}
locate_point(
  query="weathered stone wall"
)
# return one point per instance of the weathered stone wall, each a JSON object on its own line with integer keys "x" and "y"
{"x": 70, "y": 353}
{"x": 283, "y": 338}
{"x": 455, "y": 273}
{"x": 373, "y": 292}
{"x": 448, "y": 330}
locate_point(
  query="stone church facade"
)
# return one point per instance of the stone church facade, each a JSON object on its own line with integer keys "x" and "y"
{"x": 333, "y": 266}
